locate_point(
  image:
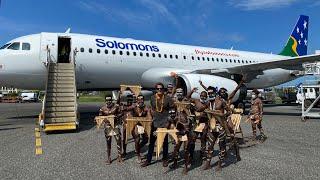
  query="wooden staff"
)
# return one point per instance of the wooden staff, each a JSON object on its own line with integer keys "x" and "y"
{"x": 183, "y": 106}
{"x": 100, "y": 120}
{"x": 136, "y": 89}
{"x": 132, "y": 121}
{"x": 161, "y": 134}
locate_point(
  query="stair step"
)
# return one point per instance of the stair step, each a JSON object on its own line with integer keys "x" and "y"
{"x": 60, "y": 74}
{"x": 60, "y": 94}
{"x": 61, "y": 78}
{"x": 61, "y": 86}
{"x": 60, "y": 99}
{"x": 59, "y": 114}
{"x": 61, "y": 70}
{"x": 62, "y": 64}
{"x": 58, "y": 90}
{"x": 62, "y": 67}
{"x": 60, "y": 109}
{"x": 61, "y": 81}
{"x": 60, "y": 119}
{"x": 59, "y": 104}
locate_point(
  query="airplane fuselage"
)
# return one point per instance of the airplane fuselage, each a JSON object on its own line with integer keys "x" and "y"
{"x": 107, "y": 62}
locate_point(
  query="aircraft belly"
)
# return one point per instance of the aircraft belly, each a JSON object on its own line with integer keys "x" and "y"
{"x": 272, "y": 77}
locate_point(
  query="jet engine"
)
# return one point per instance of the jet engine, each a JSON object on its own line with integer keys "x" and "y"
{"x": 189, "y": 81}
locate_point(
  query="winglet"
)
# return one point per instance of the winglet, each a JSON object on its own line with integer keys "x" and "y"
{"x": 297, "y": 44}
{"x": 68, "y": 30}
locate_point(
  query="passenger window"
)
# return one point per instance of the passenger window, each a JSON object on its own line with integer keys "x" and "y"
{"x": 198, "y": 58}
{"x": 192, "y": 58}
{"x": 212, "y": 59}
{"x": 170, "y": 56}
{"x": 238, "y": 61}
{"x": 203, "y": 58}
{"x": 147, "y": 54}
{"x": 25, "y": 46}
{"x": 120, "y": 52}
{"x": 176, "y": 56}
{"x": 159, "y": 55}
{"x": 106, "y": 51}
{"x": 113, "y": 52}
{"x": 234, "y": 61}
{"x": 128, "y": 53}
{"x": 141, "y": 54}
{"x": 208, "y": 58}
{"x": 98, "y": 51}
{"x": 242, "y": 61}
{"x": 90, "y": 50}
{"x": 14, "y": 46}
{"x": 247, "y": 62}
{"x": 230, "y": 60}
{"x": 184, "y": 57}
{"x": 250, "y": 61}
{"x": 153, "y": 55}
{"x": 165, "y": 56}
{"x": 134, "y": 53}
{"x": 81, "y": 49}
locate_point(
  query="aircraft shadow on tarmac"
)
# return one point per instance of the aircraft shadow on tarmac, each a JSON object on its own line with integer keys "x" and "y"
{"x": 6, "y": 129}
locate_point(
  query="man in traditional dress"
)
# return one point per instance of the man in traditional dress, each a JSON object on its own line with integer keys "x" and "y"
{"x": 139, "y": 135}
{"x": 256, "y": 113}
{"x": 183, "y": 125}
{"x": 200, "y": 128}
{"x": 111, "y": 109}
{"x": 126, "y": 111}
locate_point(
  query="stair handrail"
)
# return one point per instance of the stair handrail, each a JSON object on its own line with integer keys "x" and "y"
{"x": 47, "y": 65}
{"x": 75, "y": 51}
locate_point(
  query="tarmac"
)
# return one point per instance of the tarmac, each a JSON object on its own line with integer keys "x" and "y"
{"x": 291, "y": 151}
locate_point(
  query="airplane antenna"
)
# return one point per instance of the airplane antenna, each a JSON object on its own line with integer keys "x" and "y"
{"x": 68, "y": 30}
{"x": 231, "y": 48}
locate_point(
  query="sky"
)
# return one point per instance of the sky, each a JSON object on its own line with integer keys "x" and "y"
{"x": 250, "y": 25}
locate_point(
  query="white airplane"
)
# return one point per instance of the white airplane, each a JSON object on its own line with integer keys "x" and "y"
{"x": 106, "y": 62}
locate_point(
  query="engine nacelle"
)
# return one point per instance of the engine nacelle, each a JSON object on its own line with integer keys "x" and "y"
{"x": 190, "y": 81}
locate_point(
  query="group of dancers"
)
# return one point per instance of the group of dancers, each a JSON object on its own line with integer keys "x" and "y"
{"x": 211, "y": 119}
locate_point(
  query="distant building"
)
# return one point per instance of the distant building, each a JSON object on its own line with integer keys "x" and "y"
{"x": 6, "y": 90}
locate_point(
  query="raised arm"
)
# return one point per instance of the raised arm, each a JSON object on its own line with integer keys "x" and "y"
{"x": 191, "y": 92}
{"x": 203, "y": 86}
{"x": 235, "y": 91}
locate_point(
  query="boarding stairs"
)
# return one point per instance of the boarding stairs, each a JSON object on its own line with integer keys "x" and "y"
{"x": 60, "y": 108}
{"x": 308, "y": 111}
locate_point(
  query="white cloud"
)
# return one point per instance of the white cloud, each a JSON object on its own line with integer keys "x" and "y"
{"x": 116, "y": 14}
{"x": 160, "y": 10}
{"x": 260, "y": 4}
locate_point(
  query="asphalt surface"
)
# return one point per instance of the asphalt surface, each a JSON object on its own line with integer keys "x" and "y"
{"x": 292, "y": 150}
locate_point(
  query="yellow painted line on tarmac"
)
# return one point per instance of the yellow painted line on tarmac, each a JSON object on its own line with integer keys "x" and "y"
{"x": 38, "y": 150}
{"x": 38, "y": 142}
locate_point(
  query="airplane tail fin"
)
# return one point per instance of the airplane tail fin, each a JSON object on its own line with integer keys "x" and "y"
{"x": 297, "y": 44}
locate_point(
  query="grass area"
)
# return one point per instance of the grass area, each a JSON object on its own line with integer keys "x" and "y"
{"x": 91, "y": 99}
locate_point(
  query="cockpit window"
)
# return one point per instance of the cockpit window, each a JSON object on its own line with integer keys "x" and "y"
{"x": 14, "y": 46}
{"x": 5, "y": 46}
{"x": 25, "y": 46}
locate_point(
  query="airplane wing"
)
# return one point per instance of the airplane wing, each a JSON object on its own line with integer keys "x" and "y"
{"x": 289, "y": 63}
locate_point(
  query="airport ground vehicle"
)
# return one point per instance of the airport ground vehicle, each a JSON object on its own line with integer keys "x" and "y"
{"x": 29, "y": 97}
{"x": 307, "y": 93}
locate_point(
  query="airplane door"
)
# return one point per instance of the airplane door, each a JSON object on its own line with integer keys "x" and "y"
{"x": 49, "y": 47}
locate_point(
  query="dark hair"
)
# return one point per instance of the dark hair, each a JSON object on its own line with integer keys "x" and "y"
{"x": 159, "y": 84}
{"x": 240, "y": 105}
{"x": 212, "y": 88}
{"x": 255, "y": 91}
